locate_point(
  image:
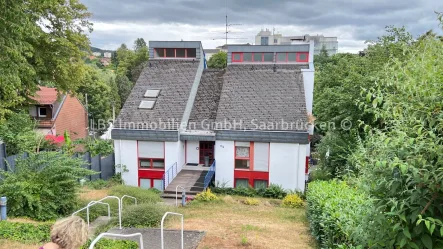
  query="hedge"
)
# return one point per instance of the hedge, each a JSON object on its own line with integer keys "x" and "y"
{"x": 337, "y": 214}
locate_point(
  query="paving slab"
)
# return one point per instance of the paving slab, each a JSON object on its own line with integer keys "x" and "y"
{"x": 152, "y": 238}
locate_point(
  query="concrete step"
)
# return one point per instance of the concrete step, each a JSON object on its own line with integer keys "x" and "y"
{"x": 101, "y": 220}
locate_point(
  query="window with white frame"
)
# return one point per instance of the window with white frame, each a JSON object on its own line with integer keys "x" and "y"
{"x": 42, "y": 112}
{"x": 242, "y": 155}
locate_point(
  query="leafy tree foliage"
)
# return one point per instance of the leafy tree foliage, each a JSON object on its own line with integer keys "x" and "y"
{"x": 124, "y": 87}
{"x": 17, "y": 132}
{"x": 140, "y": 44}
{"x": 43, "y": 186}
{"x": 218, "y": 60}
{"x": 40, "y": 41}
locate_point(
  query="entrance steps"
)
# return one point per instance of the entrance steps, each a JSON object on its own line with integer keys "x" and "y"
{"x": 100, "y": 221}
{"x": 191, "y": 180}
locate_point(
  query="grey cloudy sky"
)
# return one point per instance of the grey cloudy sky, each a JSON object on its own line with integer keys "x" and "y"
{"x": 352, "y": 21}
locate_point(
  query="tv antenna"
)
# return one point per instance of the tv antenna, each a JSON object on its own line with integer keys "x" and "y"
{"x": 229, "y": 25}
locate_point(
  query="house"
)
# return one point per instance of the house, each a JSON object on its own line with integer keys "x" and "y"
{"x": 57, "y": 113}
{"x": 250, "y": 118}
{"x": 97, "y": 54}
{"x": 107, "y": 54}
{"x": 105, "y": 61}
{"x": 266, "y": 37}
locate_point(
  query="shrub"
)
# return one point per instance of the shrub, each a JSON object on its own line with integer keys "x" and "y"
{"x": 292, "y": 201}
{"x": 273, "y": 191}
{"x": 43, "y": 186}
{"x": 142, "y": 195}
{"x": 206, "y": 196}
{"x": 112, "y": 244}
{"x": 143, "y": 215}
{"x": 337, "y": 213}
{"x": 25, "y": 232}
{"x": 251, "y": 202}
{"x": 98, "y": 184}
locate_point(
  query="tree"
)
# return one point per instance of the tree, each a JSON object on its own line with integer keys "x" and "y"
{"x": 139, "y": 44}
{"x": 124, "y": 86}
{"x": 218, "y": 60}
{"x": 40, "y": 40}
{"x": 17, "y": 131}
{"x": 125, "y": 59}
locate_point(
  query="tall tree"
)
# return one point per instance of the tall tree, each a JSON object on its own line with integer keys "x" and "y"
{"x": 40, "y": 40}
{"x": 124, "y": 86}
{"x": 218, "y": 60}
{"x": 139, "y": 44}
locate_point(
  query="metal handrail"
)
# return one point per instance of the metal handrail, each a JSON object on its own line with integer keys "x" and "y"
{"x": 176, "y": 193}
{"x": 161, "y": 232}
{"x": 167, "y": 174}
{"x": 117, "y": 235}
{"x": 119, "y": 208}
{"x": 128, "y": 196}
{"x": 208, "y": 176}
{"x": 90, "y": 204}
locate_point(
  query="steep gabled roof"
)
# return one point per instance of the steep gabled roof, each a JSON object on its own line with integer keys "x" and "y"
{"x": 174, "y": 78}
{"x": 263, "y": 94}
{"x": 46, "y": 96}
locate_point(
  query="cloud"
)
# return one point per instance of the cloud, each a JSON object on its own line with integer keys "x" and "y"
{"x": 352, "y": 21}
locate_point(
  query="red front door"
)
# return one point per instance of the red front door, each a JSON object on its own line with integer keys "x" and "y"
{"x": 207, "y": 149}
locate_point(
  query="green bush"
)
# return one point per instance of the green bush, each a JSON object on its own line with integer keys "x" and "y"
{"x": 143, "y": 215}
{"x": 98, "y": 184}
{"x": 112, "y": 244}
{"x": 292, "y": 201}
{"x": 43, "y": 186}
{"x": 273, "y": 191}
{"x": 206, "y": 196}
{"x": 25, "y": 232}
{"x": 251, "y": 202}
{"x": 338, "y": 213}
{"x": 142, "y": 195}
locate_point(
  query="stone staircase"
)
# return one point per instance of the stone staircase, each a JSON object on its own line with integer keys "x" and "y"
{"x": 101, "y": 220}
{"x": 191, "y": 179}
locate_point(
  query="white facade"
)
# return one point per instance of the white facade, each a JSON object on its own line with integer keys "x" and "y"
{"x": 126, "y": 154}
{"x": 224, "y": 157}
{"x": 192, "y": 152}
{"x": 107, "y": 54}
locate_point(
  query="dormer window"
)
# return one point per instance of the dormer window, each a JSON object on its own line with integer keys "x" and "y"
{"x": 293, "y": 57}
{"x": 175, "y": 52}
{"x": 252, "y": 57}
{"x": 42, "y": 112}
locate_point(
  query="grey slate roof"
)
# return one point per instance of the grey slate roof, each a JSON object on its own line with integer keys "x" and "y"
{"x": 174, "y": 78}
{"x": 206, "y": 101}
{"x": 253, "y": 94}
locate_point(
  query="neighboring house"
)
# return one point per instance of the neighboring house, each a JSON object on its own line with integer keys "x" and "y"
{"x": 224, "y": 48}
{"x": 266, "y": 37}
{"x": 251, "y": 118}
{"x": 105, "y": 61}
{"x": 210, "y": 52}
{"x": 97, "y": 54}
{"x": 59, "y": 113}
{"x": 107, "y": 54}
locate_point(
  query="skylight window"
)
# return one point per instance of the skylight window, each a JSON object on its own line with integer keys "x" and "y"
{"x": 152, "y": 93}
{"x": 147, "y": 104}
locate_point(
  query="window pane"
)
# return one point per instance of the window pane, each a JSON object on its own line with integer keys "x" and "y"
{"x": 192, "y": 52}
{"x": 247, "y": 57}
{"x": 265, "y": 41}
{"x": 170, "y": 52}
{"x": 268, "y": 57}
{"x": 145, "y": 164}
{"x": 241, "y": 164}
{"x": 237, "y": 57}
{"x": 281, "y": 56}
{"x": 145, "y": 183}
{"x": 158, "y": 163}
{"x": 242, "y": 152}
{"x": 159, "y": 52}
{"x": 158, "y": 184}
{"x": 257, "y": 57}
{"x": 42, "y": 111}
{"x": 260, "y": 184}
{"x": 291, "y": 57}
{"x": 241, "y": 183}
{"x": 302, "y": 57}
{"x": 180, "y": 52}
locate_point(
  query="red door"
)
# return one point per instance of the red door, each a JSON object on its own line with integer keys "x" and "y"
{"x": 206, "y": 149}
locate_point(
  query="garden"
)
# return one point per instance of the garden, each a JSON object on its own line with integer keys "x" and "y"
{"x": 379, "y": 183}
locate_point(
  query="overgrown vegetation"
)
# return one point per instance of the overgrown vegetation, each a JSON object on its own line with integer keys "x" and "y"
{"x": 142, "y": 195}
{"x": 206, "y": 196}
{"x": 218, "y": 60}
{"x": 25, "y": 232}
{"x": 143, "y": 215}
{"x": 292, "y": 201}
{"x": 43, "y": 186}
{"x": 273, "y": 191}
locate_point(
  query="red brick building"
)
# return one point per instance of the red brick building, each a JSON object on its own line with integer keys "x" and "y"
{"x": 58, "y": 113}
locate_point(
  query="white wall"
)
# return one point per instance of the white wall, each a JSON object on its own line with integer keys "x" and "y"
{"x": 308, "y": 84}
{"x": 126, "y": 154}
{"x": 181, "y": 154}
{"x": 192, "y": 153}
{"x": 287, "y": 165}
{"x": 171, "y": 154}
{"x": 224, "y": 157}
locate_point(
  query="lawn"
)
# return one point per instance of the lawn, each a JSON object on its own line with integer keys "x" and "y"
{"x": 229, "y": 224}
{"x": 232, "y": 224}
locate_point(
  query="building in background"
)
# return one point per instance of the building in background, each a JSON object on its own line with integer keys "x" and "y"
{"x": 210, "y": 52}
{"x": 56, "y": 114}
{"x": 267, "y": 37}
{"x": 97, "y": 54}
{"x": 107, "y": 54}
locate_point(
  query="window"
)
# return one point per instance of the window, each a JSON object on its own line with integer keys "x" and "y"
{"x": 147, "y": 183}
{"x": 241, "y": 183}
{"x": 191, "y": 53}
{"x": 257, "y": 56}
{"x": 242, "y": 155}
{"x": 160, "y": 52}
{"x": 268, "y": 57}
{"x": 147, "y": 104}
{"x": 275, "y": 41}
{"x": 149, "y": 163}
{"x": 42, "y": 112}
{"x": 247, "y": 57}
{"x": 302, "y": 57}
{"x": 281, "y": 57}
{"x": 152, "y": 93}
{"x": 292, "y": 57}
{"x": 170, "y": 53}
{"x": 260, "y": 184}
{"x": 264, "y": 41}
{"x": 180, "y": 53}
{"x": 237, "y": 57}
